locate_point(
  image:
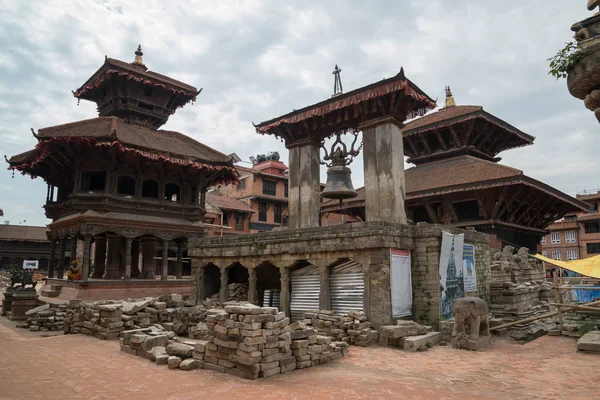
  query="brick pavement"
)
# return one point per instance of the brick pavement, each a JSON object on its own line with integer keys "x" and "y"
{"x": 81, "y": 367}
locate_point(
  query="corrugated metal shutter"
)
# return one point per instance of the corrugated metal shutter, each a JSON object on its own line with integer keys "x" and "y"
{"x": 347, "y": 287}
{"x": 305, "y": 290}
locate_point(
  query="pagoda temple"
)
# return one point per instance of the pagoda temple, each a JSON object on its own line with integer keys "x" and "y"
{"x": 457, "y": 180}
{"x": 136, "y": 192}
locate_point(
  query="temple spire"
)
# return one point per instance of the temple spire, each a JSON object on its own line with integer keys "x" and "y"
{"x": 449, "y": 99}
{"x": 138, "y": 56}
{"x": 337, "y": 84}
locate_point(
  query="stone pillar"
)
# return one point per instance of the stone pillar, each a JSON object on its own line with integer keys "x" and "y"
{"x": 304, "y": 186}
{"x": 135, "y": 259}
{"x": 128, "y": 248}
{"x": 52, "y": 256}
{"x": 200, "y": 285}
{"x": 99, "y": 257}
{"x": 252, "y": 293}
{"x": 179, "y": 260}
{"x": 74, "y": 248}
{"x": 112, "y": 257}
{"x": 85, "y": 270}
{"x": 60, "y": 271}
{"x": 148, "y": 265}
{"x": 383, "y": 155}
{"x": 165, "y": 260}
{"x": 224, "y": 293}
{"x": 284, "y": 296}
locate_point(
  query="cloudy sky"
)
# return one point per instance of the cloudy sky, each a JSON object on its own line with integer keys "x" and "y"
{"x": 258, "y": 59}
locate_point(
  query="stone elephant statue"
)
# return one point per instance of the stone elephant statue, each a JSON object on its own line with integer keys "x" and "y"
{"x": 473, "y": 311}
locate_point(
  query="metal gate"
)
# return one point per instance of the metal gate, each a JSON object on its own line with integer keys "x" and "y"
{"x": 305, "y": 289}
{"x": 347, "y": 287}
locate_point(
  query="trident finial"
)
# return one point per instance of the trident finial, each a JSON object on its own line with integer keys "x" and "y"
{"x": 138, "y": 55}
{"x": 337, "y": 84}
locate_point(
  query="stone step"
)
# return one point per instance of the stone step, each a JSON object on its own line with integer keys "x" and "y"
{"x": 413, "y": 343}
{"x": 50, "y": 293}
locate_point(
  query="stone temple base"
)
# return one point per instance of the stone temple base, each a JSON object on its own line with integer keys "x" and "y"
{"x": 102, "y": 289}
{"x": 22, "y": 301}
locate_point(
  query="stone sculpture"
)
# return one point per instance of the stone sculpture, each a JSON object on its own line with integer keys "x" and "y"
{"x": 592, "y": 4}
{"x": 473, "y": 312}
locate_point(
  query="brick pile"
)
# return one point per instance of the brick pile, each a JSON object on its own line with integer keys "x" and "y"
{"x": 244, "y": 340}
{"x": 408, "y": 335}
{"x": 352, "y": 328}
{"x": 47, "y": 317}
{"x": 237, "y": 292}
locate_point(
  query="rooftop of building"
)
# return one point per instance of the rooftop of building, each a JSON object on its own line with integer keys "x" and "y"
{"x": 228, "y": 203}
{"x": 23, "y": 233}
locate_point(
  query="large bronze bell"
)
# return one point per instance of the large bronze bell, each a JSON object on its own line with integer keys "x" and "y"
{"x": 339, "y": 184}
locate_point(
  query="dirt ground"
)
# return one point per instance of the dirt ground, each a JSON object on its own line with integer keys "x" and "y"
{"x": 82, "y": 367}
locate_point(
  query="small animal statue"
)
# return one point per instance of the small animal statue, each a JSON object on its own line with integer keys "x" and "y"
{"x": 474, "y": 312}
{"x": 16, "y": 275}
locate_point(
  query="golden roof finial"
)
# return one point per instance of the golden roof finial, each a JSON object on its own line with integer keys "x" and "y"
{"x": 138, "y": 56}
{"x": 449, "y": 99}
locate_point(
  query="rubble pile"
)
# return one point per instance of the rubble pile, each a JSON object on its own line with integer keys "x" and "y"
{"x": 243, "y": 340}
{"x": 408, "y": 335}
{"x": 518, "y": 290}
{"x": 577, "y": 323}
{"x": 47, "y": 317}
{"x": 237, "y": 292}
{"x": 4, "y": 279}
{"x": 352, "y": 328}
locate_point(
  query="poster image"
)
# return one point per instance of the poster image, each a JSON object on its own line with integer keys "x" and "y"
{"x": 469, "y": 273}
{"x": 400, "y": 283}
{"x": 451, "y": 272}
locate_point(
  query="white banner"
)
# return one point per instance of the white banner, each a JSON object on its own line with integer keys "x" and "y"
{"x": 30, "y": 264}
{"x": 451, "y": 272}
{"x": 469, "y": 273}
{"x": 400, "y": 283}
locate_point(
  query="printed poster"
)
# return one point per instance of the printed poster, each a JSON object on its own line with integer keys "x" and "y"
{"x": 451, "y": 272}
{"x": 469, "y": 274}
{"x": 400, "y": 282}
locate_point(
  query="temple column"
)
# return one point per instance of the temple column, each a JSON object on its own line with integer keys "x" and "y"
{"x": 60, "y": 273}
{"x": 165, "y": 260}
{"x": 179, "y": 260}
{"x": 383, "y": 155}
{"x": 112, "y": 257}
{"x": 324, "y": 298}
{"x": 252, "y": 294}
{"x": 128, "y": 248}
{"x": 74, "y": 248}
{"x": 304, "y": 186}
{"x": 199, "y": 279}
{"x": 85, "y": 270}
{"x": 52, "y": 256}
{"x": 135, "y": 259}
{"x": 284, "y": 296}
{"x": 148, "y": 265}
{"x": 99, "y": 257}
{"x": 224, "y": 293}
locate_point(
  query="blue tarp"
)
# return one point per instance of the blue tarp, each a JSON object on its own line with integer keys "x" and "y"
{"x": 585, "y": 296}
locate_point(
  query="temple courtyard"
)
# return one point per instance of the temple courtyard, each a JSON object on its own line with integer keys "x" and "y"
{"x": 83, "y": 367}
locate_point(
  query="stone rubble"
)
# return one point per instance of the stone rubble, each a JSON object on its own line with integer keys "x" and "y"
{"x": 247, "y": 341}
{"x": 47, "y": 317}
{"x": 352, "y": 328}
{"x": 408, "y": 335}
{"x": 237, "y": 292}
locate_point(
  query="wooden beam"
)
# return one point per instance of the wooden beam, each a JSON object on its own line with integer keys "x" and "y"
{"x": 508, "y": 203}
{"x": 450, "y": 206}
{"x": 499, "y": 202}
{"x": 432, "y": 214}
{"x": 393, "y": 102}
{"x": 425, "y": 144}
{"x": 438, "y": 135}
{"x": 479, "y": 144}
{"x": 469, "y": 131}
{"x": 538, "y": 213}
{"x": 454, "y": 136}
{"x": 481, "y": 205}
{"x": 412, "y": 146}
{"x": 531, "y": 205}
{"x": 499, "y": 145}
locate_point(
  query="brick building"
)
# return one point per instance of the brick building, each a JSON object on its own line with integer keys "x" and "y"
{"x": 264, "y": 188}
{"x": 226, "y": 215}
{"x": 577, "y": 235}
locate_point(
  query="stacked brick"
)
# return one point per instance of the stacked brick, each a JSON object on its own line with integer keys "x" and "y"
{"x": 352, "y": 328}
{"x": 48, "y": 317}
{"x": 408, "y": 335}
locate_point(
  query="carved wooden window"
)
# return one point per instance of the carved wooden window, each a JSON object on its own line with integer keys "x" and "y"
{"x": 126, "y": 186}
{"x": 270, "y": 188}
{"x": 172, "y": 192}
{"x": 94, "y": 181}
{"x": 262, "y": 211}
{"x": 150, "y": 189}
{"x": 225, "y": 219}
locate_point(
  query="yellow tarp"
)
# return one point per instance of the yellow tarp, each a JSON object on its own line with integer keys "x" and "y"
{"x": 587, "y": 266}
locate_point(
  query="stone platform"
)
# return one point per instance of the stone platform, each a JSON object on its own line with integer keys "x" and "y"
{"x": 102, "y": 289}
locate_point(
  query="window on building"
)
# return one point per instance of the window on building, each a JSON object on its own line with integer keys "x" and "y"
{"x": 544, "y": 239}
{"x": 555, "y": 237}
{"x": 556, "y": 254}
{"x": 239, "y": 222}
{"x": 545, "y": 253}
{"x": 126, "y": 186}
{"x": 592, "y": 227}
{"x": 225, "y": 219}
{"x": 270, "y": 188}
{"x": 570, "y": 217}
{"x": 570, "y": 237}
{"x": 277, "y": 216}
{"x": 285, "y": 190}
{"x": 150, "y": 189}
{"x": 242, "y": 184}
{"x": 172, "y": 192}
{"x": 94, "y": 181}
{"x": 593, "y": 248}
{"x": 571, "y": 255}
{"x": 262, "y": 211}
